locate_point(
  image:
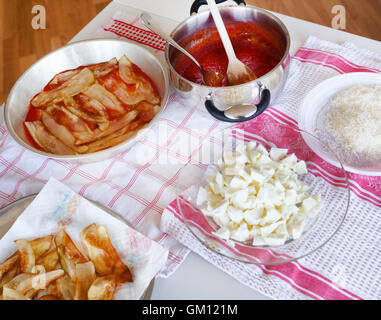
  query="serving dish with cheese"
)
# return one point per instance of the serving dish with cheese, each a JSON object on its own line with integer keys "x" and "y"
{"x": 260, "y": 191}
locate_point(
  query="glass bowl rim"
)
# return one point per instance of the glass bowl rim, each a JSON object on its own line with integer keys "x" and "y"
{"x": 296, "y": 129}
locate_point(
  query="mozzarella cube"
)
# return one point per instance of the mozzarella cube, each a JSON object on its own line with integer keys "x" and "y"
{"x": 245, "y": 175}
{"x": 223, "y": 233}
{"x": 262, "y": 149}
{"x": 202, "y": 196}
{"x": 267, "y": 230}
{"x": 277, "y": 154}
{"x": 253, "y": 155}
{"x": 264, "y": 159}
{"x": 229, "y": 158}
{"x": 259, "y": 241}
{"x": 275, "y": 240}
{"x": 239, "y": 198}
{"x": 235, "y": 214}
{"x": 253, "y": 216}
{"x": 252, "y": 145}
{"x": 220, "y": 210}
{"x": 238, "y": 183}
{"x": 296, "y": 227}
{"x": 290, "y": 161}
{"x": 290, "y": 197}
{"x": 256, "y": 176}
{"x": 300, "y": 168}
{"x": 309, "y": 204}
{"x": 241, "y": 233}
{"x": 272, "y": 215}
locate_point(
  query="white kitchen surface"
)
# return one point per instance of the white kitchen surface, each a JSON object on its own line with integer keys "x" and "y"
{"x": 196, "y": 278}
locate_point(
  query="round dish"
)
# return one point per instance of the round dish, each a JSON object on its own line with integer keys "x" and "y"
{"x": 312, "y": 113}
{"x": 11, "y": 212}
{"x": 319, "y": 230}
{"x": 70, "y": 57}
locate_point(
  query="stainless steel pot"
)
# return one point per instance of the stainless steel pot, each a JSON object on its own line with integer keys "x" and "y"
{"x": 257, "y": 94}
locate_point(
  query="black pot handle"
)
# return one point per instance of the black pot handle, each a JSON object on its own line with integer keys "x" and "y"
{"x": 198, "y": 3}
{"x": 261, "y": 107}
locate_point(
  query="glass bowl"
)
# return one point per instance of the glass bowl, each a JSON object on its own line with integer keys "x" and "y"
{"x": 333, "y": 189}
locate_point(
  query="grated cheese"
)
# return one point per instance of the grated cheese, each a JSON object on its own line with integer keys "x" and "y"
{"x": 354, "y": 120}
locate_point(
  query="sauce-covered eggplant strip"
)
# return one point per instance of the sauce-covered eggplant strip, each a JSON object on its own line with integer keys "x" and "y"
{"x": 91, "y": 108}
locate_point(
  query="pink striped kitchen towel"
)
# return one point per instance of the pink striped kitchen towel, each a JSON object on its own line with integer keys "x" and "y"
{"x": 349, "y": 265}
{"x": 140, "y": 183}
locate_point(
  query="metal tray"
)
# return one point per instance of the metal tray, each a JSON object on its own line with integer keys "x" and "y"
{"x": 11, "y": 212}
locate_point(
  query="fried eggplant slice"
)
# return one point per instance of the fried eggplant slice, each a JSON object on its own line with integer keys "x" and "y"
{"x": 104, "y": 68}
{"x": 126, "y": 71}
{"x": 52, "y": 288}
{"x": 62, "y": 77}
{"x": 46, "y": 140}
{"x": 144, "y": 89}
{"x": 69, "y": 88}
{"x": 147, "y": 111}
{"x": 27, "y": 257}
{"x": 9, "y": 264}
{"x": 127, "y": 93}
{"x": 31, "y": 293}
{"x": 121, "y": 271}
{"x": 68, "y": 253}
{"x": 106, "y": 98}
{"x": 65, "y": 288}
{"x": 111, "y": 140}
{"x": 102, "y": 288}
{"x": 9, "y": 276}
{"x": 85, "y": 276}
{"x": 97, "y": 244}
{"x": 75, "y": 125}
{"x": 11, "y": 294}
{"x": 19, "y": 282}
{"x": 28, "y": 281}
{"x": 103, "y": 262}
{"x": 88, "y": 109}
{"x": 41, "y": 245}
{"x": 49, "y": 261}
{"x": 49, "y": 297}
{"x": 116, "y": 125}
{"x": 59, "y": 130}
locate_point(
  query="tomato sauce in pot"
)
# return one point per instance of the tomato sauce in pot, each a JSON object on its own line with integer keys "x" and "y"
{"x": 257, "y": 46}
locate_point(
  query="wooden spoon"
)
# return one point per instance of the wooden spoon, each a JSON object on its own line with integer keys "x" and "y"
{"x": 237, "y": 72}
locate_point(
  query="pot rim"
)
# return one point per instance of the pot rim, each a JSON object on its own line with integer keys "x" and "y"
{"x": 265, "y": 12}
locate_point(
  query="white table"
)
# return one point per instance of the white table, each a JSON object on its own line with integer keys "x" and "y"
{"x": 196, "y": 278}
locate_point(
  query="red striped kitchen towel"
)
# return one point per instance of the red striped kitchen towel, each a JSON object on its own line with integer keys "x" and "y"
{"x": 349, "y": 265}
{"x": 140, "y": 183}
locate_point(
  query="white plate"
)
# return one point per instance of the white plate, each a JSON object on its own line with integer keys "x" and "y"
{"x": 12, "y": 211}
{"x": 316, "y": 104}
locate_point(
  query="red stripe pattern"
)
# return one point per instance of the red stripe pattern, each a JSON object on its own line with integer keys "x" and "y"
{"x": 137, "y": 34}
{"x": 140, "y": 190}
{"x": 306, "y": 281}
